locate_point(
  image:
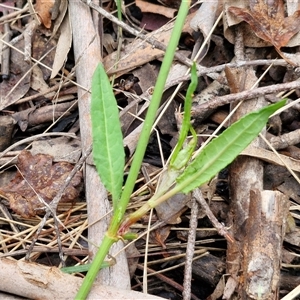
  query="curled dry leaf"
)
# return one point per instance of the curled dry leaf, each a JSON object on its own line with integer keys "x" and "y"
{"x": 140, "y": 52}
{"x": 63, "y": 46}
{"x": 147, "y": 7}
{"x": 268, "y": 21}
{"x": 43, "y": 9}
{"x": 39, "y": 179}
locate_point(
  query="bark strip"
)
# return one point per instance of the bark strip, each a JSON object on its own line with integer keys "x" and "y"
{"x": 262, "y": 246}
{"x": 87, "y": 55}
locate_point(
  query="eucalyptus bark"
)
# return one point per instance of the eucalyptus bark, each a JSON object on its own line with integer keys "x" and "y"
{"x": 257, "y": 218}
{"x": 246, "y": 173}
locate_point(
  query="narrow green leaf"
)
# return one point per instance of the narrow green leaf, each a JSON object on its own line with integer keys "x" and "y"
{"x": 225, "y": 148}
{"x": 108, "y": 150}
{"x": 83, "y": 268}
{"x": 185, "y": 154}
{"x": 186, "y": 122}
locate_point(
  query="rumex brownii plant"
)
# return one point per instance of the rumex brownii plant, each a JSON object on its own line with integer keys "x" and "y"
{"x": 183, "y": 173}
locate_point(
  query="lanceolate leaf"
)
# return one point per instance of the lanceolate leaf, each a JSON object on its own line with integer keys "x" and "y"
{"x": 222, "y": 151}
{"x": 108, "y": 150}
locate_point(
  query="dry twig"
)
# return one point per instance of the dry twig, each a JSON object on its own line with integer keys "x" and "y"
{"x": 221, "y": 228}
{"x": 199, "y": 110}
{"x": 187, "y": 282}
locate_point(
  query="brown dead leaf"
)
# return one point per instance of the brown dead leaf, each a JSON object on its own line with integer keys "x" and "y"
{"x": 63, "y": 46}
{"x": 39, "y": 178}
{"x": 46, "y": 48}
{"x": 154, "y": 15}
{"x": 160, "y": 235}
{"x": 58, "y": 14}
{"x": 268, "y": 21}
{"x": 171, "y": 210}
{"x": 139, "y": 52}
{"x": 43, "y": 9}
{"x": 147, "y": 7}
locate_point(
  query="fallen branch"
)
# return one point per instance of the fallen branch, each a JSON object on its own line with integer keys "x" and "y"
{"x": 36, "y": 281}
{"x": 199, "y": 110}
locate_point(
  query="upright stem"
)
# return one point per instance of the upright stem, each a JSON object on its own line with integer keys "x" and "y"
{"x": 89, "y": 279}
{"x": 150, "y": 117}
{"x": 111, "y": 235}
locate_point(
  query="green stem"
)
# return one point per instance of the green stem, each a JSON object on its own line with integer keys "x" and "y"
{"x": 89, "y": 279}
{"x": 153, "y": 202}
{"x": 111, "y": 236}
{"x": 119, "y": 7}
{"x": 186, "y": 123}
{"x": 150, "y": 117}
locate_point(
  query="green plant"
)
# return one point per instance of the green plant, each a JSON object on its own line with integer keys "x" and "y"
{"x": 102, "y": 82}
{"x": 182, "y": 174}
{"x": 214, "y": 157}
